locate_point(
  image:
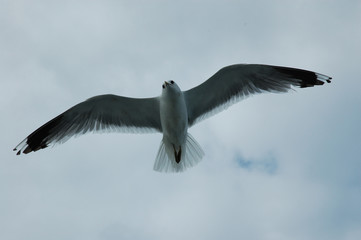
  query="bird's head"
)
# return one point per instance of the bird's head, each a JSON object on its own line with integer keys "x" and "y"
{"x": 170, "y": 87}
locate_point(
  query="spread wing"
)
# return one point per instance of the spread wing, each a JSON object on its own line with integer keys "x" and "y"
{"x": 104, "y": 112}
{"x": 233, "y": 83}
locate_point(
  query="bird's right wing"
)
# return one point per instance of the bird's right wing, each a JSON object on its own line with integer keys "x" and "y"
{"x": 104, "y": 112}
{"x": 232, "y": 83}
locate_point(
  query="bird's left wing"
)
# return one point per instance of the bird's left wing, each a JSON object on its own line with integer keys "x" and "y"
{"x": 104, "y": 112}
{"x": 232, "y": 83}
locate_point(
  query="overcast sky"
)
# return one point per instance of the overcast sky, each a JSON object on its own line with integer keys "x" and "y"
{"x": 277, "y": 166}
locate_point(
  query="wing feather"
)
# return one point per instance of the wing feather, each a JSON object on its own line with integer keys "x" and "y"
{"x": 235, "y": 82}
{"x": 99, "y": 113}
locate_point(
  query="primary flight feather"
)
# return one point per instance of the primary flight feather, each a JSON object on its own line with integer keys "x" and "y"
{"x": 172, "y": 113}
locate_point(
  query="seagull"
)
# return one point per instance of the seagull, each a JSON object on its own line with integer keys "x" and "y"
{"x": 172, "y": 113}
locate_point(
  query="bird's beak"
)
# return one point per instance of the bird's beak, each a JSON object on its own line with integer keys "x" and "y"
{"x": 166, "y": 83}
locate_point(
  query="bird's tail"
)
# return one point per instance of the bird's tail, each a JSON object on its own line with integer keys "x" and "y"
{"x": 166, "y": 160}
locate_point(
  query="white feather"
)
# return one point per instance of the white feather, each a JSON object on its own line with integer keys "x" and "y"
{"x": 191, "y": 156}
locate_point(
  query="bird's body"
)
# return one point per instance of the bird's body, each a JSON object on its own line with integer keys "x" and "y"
{"x": 173, "y": 117}
{"x": 172, "y": 113}
{"x": 177, "y": 150}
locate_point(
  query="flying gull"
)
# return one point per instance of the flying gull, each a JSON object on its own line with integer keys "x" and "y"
{"x": 172, "y": 113}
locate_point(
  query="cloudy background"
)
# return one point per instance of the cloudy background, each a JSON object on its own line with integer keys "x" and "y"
{"x": 277, "y": 166}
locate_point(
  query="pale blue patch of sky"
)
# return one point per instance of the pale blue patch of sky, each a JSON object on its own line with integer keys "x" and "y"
{"x": 268, "y": 164}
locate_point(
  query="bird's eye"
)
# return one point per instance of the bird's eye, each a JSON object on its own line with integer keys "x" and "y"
{"x": 163, "y": 86}
{"x": 172, "y": 82}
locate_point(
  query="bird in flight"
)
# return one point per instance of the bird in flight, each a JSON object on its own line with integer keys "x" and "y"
{"x": 172, "y": 113}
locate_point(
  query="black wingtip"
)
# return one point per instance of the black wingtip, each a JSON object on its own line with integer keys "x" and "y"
{"x": 323, "y": 78}
{"x": 18, "y": 153}
{"x": 16, "y": 149}
{"x": 306, "y": 78}
{"x": 39, "y": 138}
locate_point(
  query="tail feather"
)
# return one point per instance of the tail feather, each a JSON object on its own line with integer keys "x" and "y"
{"x": 166, "y": 161}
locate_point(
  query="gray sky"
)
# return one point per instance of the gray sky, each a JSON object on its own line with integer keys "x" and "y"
{"x": 277, "y": 166}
